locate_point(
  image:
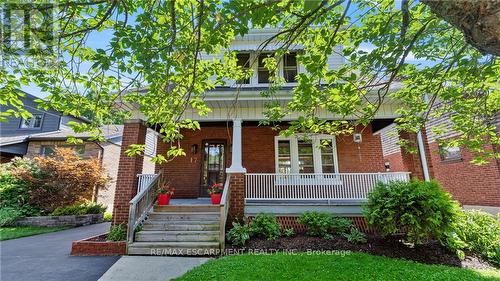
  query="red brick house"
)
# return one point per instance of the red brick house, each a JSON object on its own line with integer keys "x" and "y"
{"x": 261, "y": 171}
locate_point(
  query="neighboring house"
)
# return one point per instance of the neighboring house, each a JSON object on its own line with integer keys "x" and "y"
{"x": 48, "y": 129}
{"x": 261, "y": 171}
{"x": 473, "y": 186}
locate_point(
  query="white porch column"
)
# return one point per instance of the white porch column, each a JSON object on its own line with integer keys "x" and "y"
{"x": 236, "y": 165}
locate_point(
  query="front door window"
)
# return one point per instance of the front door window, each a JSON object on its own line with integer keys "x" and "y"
{"x": 213, "y": 169}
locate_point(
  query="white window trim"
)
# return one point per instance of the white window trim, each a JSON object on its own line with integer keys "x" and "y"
{"x": 294, "y": 157}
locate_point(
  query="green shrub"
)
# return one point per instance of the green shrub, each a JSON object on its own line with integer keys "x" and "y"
{"x": 419, "y": 210}
{"x": 239, "y": 234}
{"x": 108, "y": 216}
{"x": 317, "y": 224}
{"x": 14, "y": 193}
{"x": 355, "y": 236}
{"x": 79, "y": 209}
{"x": 289, "y": 232}
{"x": 478, "y": 232}
{"x": 341, "y": 225}
{"x": 265, "y": 226}
{"x": 117, "y": 233}
{"x": 8, "y": 216}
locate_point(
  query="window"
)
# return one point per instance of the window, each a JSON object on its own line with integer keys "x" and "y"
{"x": 290, "y": 67}
{"x": 316, "y": 154}
{"x": 47, "y": 150}
{"x": 450, "y": 153}
{"x": 262, "y": 72}
{"x": 244, "y": 63}
{"x": 33, "y": 122}
{"x": 284, "y": 157}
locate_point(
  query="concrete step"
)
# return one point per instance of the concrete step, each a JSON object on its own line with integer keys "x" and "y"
{"x": 174, "y": 248}
{"x": 184, "y": 216}
{"x": 177, "y": 236}
{"x": 187, "y": 208}
{"x": 180, "y": 226}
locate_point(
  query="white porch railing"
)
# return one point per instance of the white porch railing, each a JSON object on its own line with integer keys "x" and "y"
{"x": 339, "y": 186}
{"x": 144, "y": 180}
{"x": 140, "y": 206}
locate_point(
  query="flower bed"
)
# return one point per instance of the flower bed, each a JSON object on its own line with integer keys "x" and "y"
{"x": 431, "y": 253}
{"x": 98, "y": 246}
{"x": 51, "y": 221}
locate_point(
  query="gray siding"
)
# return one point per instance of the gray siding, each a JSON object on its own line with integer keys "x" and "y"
{"x": 50, "y": 121}
{"x": 390, "y": 138}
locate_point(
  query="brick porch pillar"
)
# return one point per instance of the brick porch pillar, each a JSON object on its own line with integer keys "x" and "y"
{"x": 237, "y": 197}
{"x": 134, "y": 132}
{"x": 412, "y": 161}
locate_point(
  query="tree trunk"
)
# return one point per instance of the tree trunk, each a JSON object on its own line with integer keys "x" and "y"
{"x": 479, "y": 20}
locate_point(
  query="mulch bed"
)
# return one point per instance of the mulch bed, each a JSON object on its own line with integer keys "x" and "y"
{"x": 432, "y": 253}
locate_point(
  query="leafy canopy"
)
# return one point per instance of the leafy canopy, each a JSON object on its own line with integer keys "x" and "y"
{"x": 154, "y": 60}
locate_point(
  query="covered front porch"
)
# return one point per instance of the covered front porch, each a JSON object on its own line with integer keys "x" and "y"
{"x": 275, "y": 174}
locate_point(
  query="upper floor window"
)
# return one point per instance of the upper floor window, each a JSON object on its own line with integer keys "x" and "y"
{"x": 33, "y": 122}
{"x": 263, "y": 73}
{"x": 450, "y": 153}
{"x": 244, "y": 63}
{"x": 290, "y": 67}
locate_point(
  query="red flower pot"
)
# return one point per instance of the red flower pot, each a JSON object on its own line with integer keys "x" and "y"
{"x": 163, "y": 199}
{"x": 216, "y": 198}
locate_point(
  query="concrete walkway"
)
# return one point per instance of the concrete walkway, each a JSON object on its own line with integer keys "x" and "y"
{"x": 46, "y": 257}
{"x": 150, "y": 268}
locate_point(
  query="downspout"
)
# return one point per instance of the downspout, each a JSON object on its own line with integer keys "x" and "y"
{"x": 95, "y": 193}
{"x": 423, "y": 158}
{"x": 421, "y": 149}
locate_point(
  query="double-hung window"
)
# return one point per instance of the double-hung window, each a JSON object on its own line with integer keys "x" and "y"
{"x": 243, "y": 61}
{"x": 290, "y": 67}
{"x": 33, "y": 122}
{"x": 314, "y": 154}
{"x": 263, "y": 74}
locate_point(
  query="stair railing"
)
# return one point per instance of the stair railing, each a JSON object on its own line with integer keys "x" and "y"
{"x": 140, "y": 206}
{"x": 224, "y": 210}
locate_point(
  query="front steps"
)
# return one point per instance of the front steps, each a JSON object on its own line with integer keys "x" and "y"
{"x": 188, "y": 230}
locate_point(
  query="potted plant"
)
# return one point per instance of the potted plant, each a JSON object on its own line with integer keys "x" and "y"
{"x": 215, "y": 192}
{"x": 164, "y": 195}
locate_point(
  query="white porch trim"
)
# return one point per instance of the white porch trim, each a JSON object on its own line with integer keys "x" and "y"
{"x": 236, "y": 163}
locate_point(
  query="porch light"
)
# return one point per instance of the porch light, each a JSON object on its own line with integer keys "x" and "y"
{"x": 357, "y": 137}
{"x": 194, "y": 148}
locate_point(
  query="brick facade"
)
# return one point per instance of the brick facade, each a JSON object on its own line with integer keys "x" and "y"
{"x": 92, "y": 149}
{"x": 468, "y": 183}
{"x": 364, "y": 157}
{"x": 184, "y": 173}
{"x": 134, "y": 132}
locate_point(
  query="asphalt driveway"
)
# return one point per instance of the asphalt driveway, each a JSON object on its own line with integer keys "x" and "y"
{"x": 46, "y": 257}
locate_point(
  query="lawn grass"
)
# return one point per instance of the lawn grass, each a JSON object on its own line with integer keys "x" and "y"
{"x": 352, "y": 266}
{"x": 13, "y": 232}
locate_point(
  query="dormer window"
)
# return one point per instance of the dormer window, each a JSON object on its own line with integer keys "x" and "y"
{"x": 262, "y": 72}
{"x": 290, "y": 67}
{"x": 33, "y": 122}
{"x": 244, "y": 63}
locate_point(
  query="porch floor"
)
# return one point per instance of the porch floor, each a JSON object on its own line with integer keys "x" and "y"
{"x": 193, "y": 201}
